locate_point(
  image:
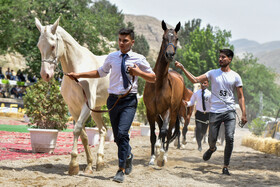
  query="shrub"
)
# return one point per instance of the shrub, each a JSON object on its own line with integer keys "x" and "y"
{"x": 45, "y": 106}
{"x": 257, "y": 126}
{"x": 141, "y": 111}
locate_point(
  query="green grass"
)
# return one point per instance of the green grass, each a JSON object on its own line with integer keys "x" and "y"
{"x": 21, "y": 128}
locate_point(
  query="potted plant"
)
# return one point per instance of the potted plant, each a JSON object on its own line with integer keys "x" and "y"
{"x": 141, "y": 114}
{"x": 47, "y": 112}
{"x": 92, "y": 131}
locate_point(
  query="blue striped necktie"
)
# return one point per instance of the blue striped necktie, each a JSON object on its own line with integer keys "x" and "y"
{"x": 125, "y": 79}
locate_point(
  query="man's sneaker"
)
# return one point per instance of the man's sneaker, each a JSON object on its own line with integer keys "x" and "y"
{"x": 119, "y": 177}
{"x": 207, "y": 155}
{"x": 225, "y": 171}
{"x": 128, "y": 166}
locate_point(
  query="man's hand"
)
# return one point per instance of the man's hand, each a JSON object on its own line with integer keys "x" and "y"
{"x": 185, "y": 102}
{"x": 134, "y": 71}
{"x": 244, "y": 119}
{"x": 73, "y": 75}
{"x": 179, "y": 65}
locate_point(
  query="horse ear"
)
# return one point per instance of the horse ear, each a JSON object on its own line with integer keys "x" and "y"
{"x": 163, "y": 25}
{"x": 178, "y": 27}
{"x": 38, "y": 24}
{"x": 54, "y": 26}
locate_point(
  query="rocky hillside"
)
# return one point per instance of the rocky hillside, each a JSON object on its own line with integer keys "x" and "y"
{"x": 13, "y": 61}
{"x": 151, "y": 28}
{"x": 267, "y": 53}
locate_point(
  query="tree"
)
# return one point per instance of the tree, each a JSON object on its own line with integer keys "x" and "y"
{"x": 19, "y": 33}
{"x": 200, "y": 48}
{"x": 256, "y": 77}
{"x": 108, "y": 19}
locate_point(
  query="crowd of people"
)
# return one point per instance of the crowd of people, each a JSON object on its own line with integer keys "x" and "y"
{"x": 14, "y": 91}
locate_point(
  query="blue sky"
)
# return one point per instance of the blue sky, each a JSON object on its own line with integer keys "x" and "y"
{"x": 257, "y": 20}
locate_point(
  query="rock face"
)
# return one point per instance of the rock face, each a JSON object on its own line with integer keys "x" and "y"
{"x": 149, "y": 27}
{"x": 14, "y": 61}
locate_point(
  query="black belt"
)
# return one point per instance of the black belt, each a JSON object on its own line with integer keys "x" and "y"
{"x": 202, "y": 112}
{"x": 120, "y": 95}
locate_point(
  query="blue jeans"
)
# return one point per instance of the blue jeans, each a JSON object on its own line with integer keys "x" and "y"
{"x": 121, "y": 117}
{"x": 215, "y": 120}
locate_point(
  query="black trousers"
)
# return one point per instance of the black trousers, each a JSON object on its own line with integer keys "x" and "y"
{"x": 201, "y": 128}
{"x": 121, "y": 117}
{"x": 216, "y": 120}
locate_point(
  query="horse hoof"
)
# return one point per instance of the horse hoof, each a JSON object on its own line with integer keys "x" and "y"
{"x": 73, "y": 170}
{"x": 151, "y": 163}
{"x": 160, "y": 163}
{"x": 184, "y": 142}
{"x": 100, "y": 166}
{"x": 88, "y": 170}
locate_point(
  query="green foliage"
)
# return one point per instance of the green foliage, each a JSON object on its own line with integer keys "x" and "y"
{"x": 45, "y": 106}
{"x": 108, "y": 20}
{"x": 257, "y": 126}
{"x": 105, "y": 116}
{"x": 141, "y": 45}
{"x": 86, "y": 21}
{"x": 90, "y": 122}
{"x": 256, "y": 77}
{"x": 141, "y": 111}
{"x": 200, "y": 48}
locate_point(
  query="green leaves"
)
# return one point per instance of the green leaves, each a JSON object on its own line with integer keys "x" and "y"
{"x": 200, "y": 47}
{"x": 257, "y": 78}
{"x": 45, "y": 106}
{"x": 89, "y": 23}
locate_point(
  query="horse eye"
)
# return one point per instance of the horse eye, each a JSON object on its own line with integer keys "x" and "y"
{"x": 53, "y": 47}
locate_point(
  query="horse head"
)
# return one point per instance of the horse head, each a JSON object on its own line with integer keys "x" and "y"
{"x": 169, "y": 41}
{"x": 50, "y": 48}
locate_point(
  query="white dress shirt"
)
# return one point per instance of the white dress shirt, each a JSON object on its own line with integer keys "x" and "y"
{"x": 197, "y": 97}
{"x": 113, "y": 62}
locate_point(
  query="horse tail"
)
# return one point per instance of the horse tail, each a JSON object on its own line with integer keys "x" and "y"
{"x": 177, "y": 129}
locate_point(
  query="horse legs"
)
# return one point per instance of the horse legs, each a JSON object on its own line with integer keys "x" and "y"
{"x": 74, "y": 165}
{"x": 102, "y": 134}
{"x": 187, "y": 122}
{"x": 84, "y": 139}
{"x": 162, "y": 158}
{"x": 153, "y": 137}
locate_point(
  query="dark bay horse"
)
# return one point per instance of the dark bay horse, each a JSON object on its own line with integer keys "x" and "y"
{"x": 163, "y": 98}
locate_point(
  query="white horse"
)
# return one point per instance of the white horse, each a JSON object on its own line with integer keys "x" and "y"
{"x": 55, "y": 44}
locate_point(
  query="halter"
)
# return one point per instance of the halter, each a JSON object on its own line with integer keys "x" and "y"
{"x": 175, "y": 48}
{"x": 53, "y": 61}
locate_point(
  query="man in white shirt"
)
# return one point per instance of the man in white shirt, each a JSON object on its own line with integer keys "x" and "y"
{"x": 224, "y": 81}
{"x": 123, "y": 64}
{"x": 202, "y": 99}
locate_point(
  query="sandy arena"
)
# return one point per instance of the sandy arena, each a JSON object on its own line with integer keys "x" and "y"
{"x": 185, "y": 167}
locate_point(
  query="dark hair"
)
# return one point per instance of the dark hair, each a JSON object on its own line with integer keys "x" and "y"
{"x": 127, "y": 31}
{"x": 229, "y": 53}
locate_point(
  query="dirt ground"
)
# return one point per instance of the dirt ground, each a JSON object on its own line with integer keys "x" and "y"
{"x": 185, "y": 167}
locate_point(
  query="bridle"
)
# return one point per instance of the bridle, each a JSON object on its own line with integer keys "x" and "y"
{"x": 174, "y": 47}
{"x": 55, "y": 62}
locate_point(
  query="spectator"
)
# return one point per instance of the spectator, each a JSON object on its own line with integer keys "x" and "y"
{"x": 14, "y": 92}
{"x": 20, "y": 76}
{"x": 12, "y": 77}
{"x": 8, "y": 74}
{"x": 2, "y": 91}
{"x": 2, "y": 76}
